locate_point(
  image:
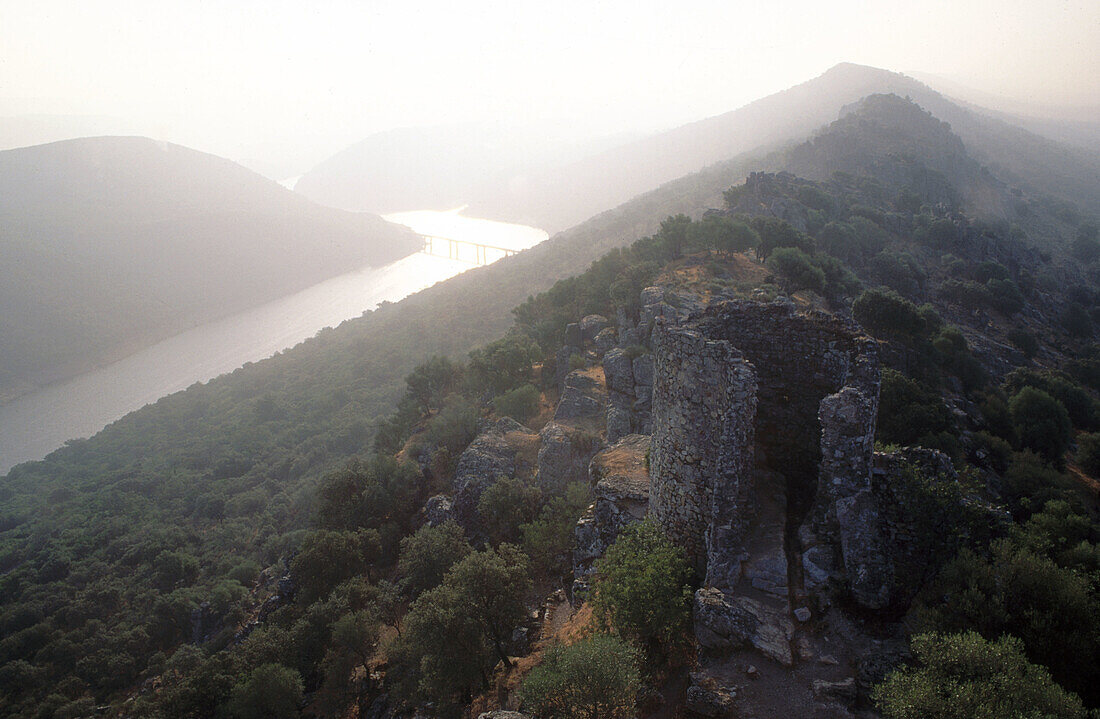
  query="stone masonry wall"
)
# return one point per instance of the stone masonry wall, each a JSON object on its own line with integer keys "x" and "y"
{"x": 803, "y": 389}
{"x": 704, "y": 400}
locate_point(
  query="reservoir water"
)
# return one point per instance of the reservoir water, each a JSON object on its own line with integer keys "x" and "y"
{"x": 37, "y": 423}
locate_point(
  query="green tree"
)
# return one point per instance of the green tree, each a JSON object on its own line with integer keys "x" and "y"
{"x": 1042, "y": 424}
{"x": 797, "y": 270}
{"x": 963, "y": 676}
{"x": 505, "y": 506}
{"x": 1088, "y": 453}
{"x": 641, "y": 587}
{"x": 430, "y": 382}
{"x": 455, "y": 633}
{"x": 775, "y": 233}
{"x": 329, "y": 558}
{"x": 428, "y": 554}
{"x": 596, "y": 678}
{"x": 885, "y": 313}
{"x": 1052, "y": 610}
{"x": 520, "y": 403}
{"x": 271, "y": 691}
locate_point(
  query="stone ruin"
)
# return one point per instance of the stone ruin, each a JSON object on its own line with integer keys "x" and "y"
{"x": 761, "y": 459}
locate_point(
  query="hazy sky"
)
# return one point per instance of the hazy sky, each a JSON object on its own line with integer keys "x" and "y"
{"x": 232, "y": 76}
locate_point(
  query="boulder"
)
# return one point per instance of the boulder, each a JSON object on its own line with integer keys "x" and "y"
{"x": 622, "y": 497}
{"x": 606, "y": 340}
{"x": 438, "y": 509}
{"x": 723, "y": 623}
{"x": 488, "y": 458}
{"x": 843, "y": 692}
{"x": 591, "y": 326}
{"x": 708, "y": 702}
{"x": 564, "y": 454}
{"x": 582, "y": 398}
{"x": 502, "y": 714}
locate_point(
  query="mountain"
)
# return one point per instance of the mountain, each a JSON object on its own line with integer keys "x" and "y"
{"x": 438, "y": 167}
{"x": 568, "y": 194}
{"x": 110, "y": 243}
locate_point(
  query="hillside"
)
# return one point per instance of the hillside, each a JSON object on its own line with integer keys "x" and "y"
{"x": 438, "y": 167}
{"x": 111, "y": 243}
{"x": 568, "y": 194}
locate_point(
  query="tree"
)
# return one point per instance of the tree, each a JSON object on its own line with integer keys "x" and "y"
{"x": 1052, "y": 610}
{"x": 963, "y": 676}
{"x": 797, "y": 270}
{"x": 596, "y": 678}
{"x": 505, "y": 506}
{"x": 1041, "y": 423}
{"x": 641, "y": 587}
{"x": 494, "y": 585}
{"x": 775, "y": 233}
{"x": 885, "y": 313}
{"x": 428, "y": 554}
{"x": 329, "y": 558}
{"x": 430, "y": 382}
{"x": 456, "y": 632}
{"x": 723, "y": 233}
{"x": 520, "y": 403}
{"x": 1088, "y": 453}
{"x": 271, "y": 691}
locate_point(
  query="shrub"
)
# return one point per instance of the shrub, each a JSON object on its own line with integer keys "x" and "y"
{"x": 271, "y": 691}
{"x": 520, "y": 404}
{"x": 454, "y": 427}
{"x": 775, "y": 233}
{"x": 1029, "y": 484}
{"x": 642, "y": 589}
{"x": 885, "y": 313}
{"x": 797, "y": 270}
{"x": 1088, "y": 453}
{"x": 1042, "y": 424}
{"x": 910, "y": 412}
{"x": 963, "y": 676}
{"x": 506, "y": 505}
{"x": 1024, "y": 341}
{"x": 596, "y": 678}
{"x": 428, "y": 554}
{"x": 1052, "y": 610}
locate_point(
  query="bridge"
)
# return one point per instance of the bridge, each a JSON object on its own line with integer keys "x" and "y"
{"x": 461, "y": 250}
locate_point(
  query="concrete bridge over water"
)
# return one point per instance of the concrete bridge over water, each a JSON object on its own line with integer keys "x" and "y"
{"x": 464, "y": 250}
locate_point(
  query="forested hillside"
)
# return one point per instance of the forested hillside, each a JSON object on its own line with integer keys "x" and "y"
{"x": 111, "y": 243}
{"x": 258, "y": 540}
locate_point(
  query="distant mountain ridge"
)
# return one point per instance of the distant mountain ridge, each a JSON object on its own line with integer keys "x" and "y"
{"x": 110, "y": 243}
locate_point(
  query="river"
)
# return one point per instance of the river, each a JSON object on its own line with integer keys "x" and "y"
{"x": 37, "y": 423}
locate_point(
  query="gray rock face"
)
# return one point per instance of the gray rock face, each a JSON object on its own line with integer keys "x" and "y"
{"x": 438, "y": 509}
{"x": 629, "y": 393}
{"x": 605, "y": 340}
{"x": 621, "y": 484}
{"x": 574, "y": 336}
{"x": 843, "y": 692}
{"x": 502, "y": 714}
{"x": 723, "y": 623}
{"x": 488, "y": 458}
{"x": 564, "y": 455}
{"x": 592, "y": 325}
{"x": 582, "y": 398}
{"x": 708, "y": 702}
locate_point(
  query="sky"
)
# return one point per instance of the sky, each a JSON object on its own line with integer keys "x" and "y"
{"x": 279, "y": 79}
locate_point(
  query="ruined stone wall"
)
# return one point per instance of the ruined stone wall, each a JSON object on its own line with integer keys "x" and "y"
{"x": 704, "y": 400}
{"x": 803, "y": 389}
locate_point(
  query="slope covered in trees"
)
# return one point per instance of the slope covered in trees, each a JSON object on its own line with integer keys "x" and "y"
{"x": 110, "y": 243}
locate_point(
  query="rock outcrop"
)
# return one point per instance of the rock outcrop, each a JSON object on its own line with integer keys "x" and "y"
{"x": 494, "y": 454}
{"x": 620, "y": 482}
